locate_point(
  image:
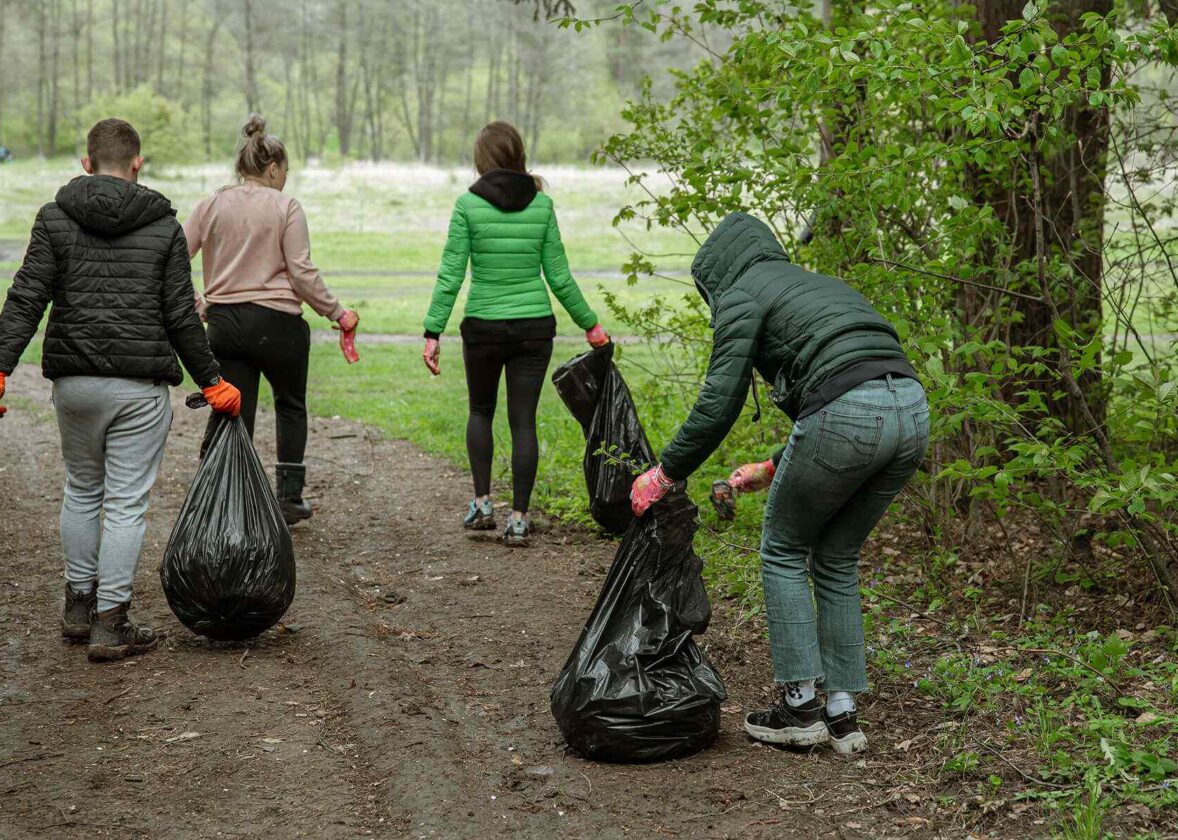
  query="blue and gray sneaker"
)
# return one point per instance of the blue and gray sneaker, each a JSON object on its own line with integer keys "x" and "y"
{"x": 518, "y": 533}
{"x": 480, "y": 517}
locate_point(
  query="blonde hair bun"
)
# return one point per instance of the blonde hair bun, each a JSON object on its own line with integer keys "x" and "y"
{"x": 255, "y": 126}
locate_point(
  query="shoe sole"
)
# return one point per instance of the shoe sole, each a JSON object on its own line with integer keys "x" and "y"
{"x": 851, "y": 744}
{"x": 791, "y": 736}
{"x": 112, "y": 653}
{"x": 517, "y": 542}
{"x": 480, "y": 525}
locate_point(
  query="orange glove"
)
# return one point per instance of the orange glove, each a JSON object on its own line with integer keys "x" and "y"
{"x": 433, "y": 349}
{"x": 347, "y": 334}
{"x": 223, "y": 398}
{"x": 2, "y": 378}
{"x": 597, "y": 337}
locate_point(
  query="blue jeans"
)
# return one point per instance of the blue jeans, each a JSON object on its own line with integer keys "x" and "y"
{"x": 842, "y": 468}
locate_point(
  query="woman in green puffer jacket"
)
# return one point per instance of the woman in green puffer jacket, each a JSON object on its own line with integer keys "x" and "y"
{"x": 505, "y": 229}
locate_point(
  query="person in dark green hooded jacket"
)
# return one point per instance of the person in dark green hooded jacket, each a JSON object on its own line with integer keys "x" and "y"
{"x": 860, "y": 432}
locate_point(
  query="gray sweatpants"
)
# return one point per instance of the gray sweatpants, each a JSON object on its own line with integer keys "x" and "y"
{"x": 112, "y": 439}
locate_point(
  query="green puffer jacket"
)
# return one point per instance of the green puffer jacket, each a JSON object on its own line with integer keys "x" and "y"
{"x": 507, "y": 232}
{"x": 800, "y": 330}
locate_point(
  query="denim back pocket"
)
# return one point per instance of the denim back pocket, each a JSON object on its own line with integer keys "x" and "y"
{"x": 847, "y": 442}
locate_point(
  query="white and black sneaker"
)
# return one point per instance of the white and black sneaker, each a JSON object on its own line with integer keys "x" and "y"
{"x": 845, "y": 735}
{"x": 790, "y": 726}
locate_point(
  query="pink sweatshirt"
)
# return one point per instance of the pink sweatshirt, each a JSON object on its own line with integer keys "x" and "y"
{"x": 257, "y": 249}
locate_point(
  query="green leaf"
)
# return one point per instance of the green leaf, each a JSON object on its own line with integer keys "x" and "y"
{"x": 1030, "y": 10}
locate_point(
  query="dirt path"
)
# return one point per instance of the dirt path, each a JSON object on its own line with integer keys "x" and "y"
{"x": 407, "y": 696}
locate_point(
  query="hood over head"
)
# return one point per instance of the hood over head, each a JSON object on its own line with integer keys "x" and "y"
{"x": 111, "y": 206}
{"x": 737, "y": 243}
{"x": 508, "y": 190}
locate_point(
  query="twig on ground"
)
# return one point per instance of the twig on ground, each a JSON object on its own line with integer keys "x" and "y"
{"x": 40, "y": 757}
{"x": 1015, "y": 767}
{"x": 115, "y": 697}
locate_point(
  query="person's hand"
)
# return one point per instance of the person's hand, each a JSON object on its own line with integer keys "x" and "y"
{"x": 648, "y": 488}
{"x": 223, "y": 398}
{"x": 347, "y": 334}
{"x": 597, "y": 337}
{"x": 752, "y": 477}
{"x": 347, "y": 321}
{"x": 433, "y": 349}
{"x": 2, "y": 378}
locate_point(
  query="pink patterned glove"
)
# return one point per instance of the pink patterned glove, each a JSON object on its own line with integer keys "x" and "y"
{"x": 433, "y": 349}
{"x": 597, "y": 337}
{"x": 346, "y": 325}
{"x": 752, "y": 477}
{"x": 648, "y": 488}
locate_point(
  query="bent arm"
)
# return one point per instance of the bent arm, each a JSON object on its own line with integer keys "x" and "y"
{"x": 182, "y": 324}
{"x": 725, "y": 389}
{"x": 304, "y": 276}
{"x": 29, "y": 296}
{"x": 560, "y": 279}
{"x": 451, "y": 273}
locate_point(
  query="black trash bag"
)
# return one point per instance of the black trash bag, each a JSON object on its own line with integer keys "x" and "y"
{"x": 229, "y": 569}
{"x": 637, "y": 687}
{"x": 598, "y": 398}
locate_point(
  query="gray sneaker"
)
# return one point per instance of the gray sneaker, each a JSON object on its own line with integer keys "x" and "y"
{"x": 113, "y": 636}
{"x": 518, "y": 533}
{"x": 78, "y": 613}
{"x": 480, "y": 517}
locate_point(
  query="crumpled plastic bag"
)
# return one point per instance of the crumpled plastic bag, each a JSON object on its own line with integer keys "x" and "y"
{"x": 636, "y": 686}
{"x": 229, "y": 569}
{"x": 595, "y": 393}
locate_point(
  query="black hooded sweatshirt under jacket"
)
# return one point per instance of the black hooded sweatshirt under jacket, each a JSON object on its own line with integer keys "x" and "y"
{"x": 110, "y": 257}
{"x": 812, "y": 336}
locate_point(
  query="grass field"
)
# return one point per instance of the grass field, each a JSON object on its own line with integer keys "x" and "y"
{"x": 377, "y": 230}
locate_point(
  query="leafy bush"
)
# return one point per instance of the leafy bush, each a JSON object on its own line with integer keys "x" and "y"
{"x": 164, "y": 127}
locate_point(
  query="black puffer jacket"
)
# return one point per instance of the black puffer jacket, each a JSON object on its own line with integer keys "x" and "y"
{"x": 112, "y": 259}
{"x": 812, "y": 336}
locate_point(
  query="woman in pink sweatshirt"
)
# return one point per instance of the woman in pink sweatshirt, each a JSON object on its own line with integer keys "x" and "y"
{"x": 258, "y": 273}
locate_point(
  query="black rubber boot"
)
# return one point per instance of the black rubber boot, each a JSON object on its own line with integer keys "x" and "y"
{"x": 78, "y": 613}
{"x": 291, "y": 478}
{"x": 113, "y": 636}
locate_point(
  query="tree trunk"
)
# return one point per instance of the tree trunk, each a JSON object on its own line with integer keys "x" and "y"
{"x": 163, "y": 47}
{"x": 1073, "y": 199}
{"x": 206, "y": 99}
{"x": 251, "y": 78}
{"x": 54, "y": 76}
{"x": 343, "y": 111}
{"x": 89, "y": 49}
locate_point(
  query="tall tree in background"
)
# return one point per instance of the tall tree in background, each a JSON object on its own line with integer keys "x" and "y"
{"x": 1065, "y": 214}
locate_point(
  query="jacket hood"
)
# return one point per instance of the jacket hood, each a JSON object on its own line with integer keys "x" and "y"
{"x": 508, "y": 190}
{"x": 737, "y": 243}
{"x": 110, "y": 206}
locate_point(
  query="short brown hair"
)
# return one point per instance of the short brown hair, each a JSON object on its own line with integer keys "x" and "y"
{"x": 500, "y": 146}
{"x": 258, "y": 149}
{"x": 112, "y": 144}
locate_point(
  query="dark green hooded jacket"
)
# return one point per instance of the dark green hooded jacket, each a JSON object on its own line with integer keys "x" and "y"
{"x": 812, "y": 336}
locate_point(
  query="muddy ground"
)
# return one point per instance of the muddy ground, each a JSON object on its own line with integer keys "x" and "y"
{"x": 406, "y": 694}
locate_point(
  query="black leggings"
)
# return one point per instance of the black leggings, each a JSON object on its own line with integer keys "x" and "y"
{"x": 526, "y": 363}
{"x": 251, "y": 341}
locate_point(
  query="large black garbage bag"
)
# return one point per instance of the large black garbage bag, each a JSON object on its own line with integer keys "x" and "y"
{"x": 598, "y": 398}
{"x": 637, "y": 687}
{"x": 229, "y": 570}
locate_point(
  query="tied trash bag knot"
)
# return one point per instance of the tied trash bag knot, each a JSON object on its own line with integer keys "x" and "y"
{"x": 229, "y": 570}
{"x": 636, "y": 686}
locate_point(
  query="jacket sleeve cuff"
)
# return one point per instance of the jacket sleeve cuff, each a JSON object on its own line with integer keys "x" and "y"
{"x": 432, "y": 334}
{"x": 336, "y": 313}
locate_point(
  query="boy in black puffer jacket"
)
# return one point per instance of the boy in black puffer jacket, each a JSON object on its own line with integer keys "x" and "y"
{"x": 112, "y": 260}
